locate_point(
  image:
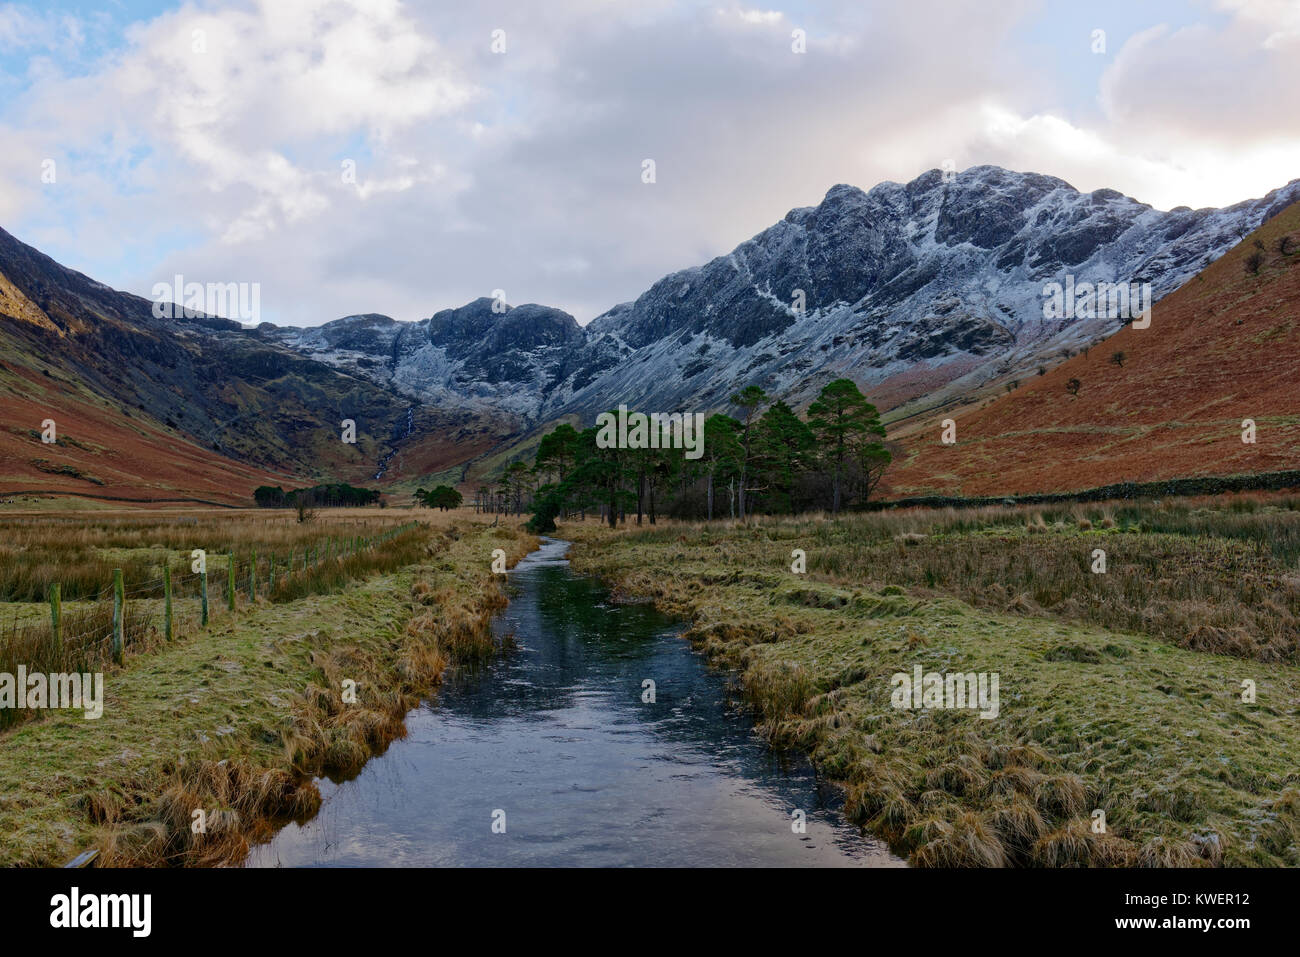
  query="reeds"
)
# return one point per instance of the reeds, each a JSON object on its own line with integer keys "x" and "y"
{"x": 80, "y": 551}
{"x": 1098, "y": 726}
{"x": 1219, "y": 580}
{"x": 1212, "y": 577}
{"x": 86, "y": 647}
{"x": 85, "y": 641}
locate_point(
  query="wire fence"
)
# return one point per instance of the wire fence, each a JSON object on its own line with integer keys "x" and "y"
{"x": 94, "y": 634}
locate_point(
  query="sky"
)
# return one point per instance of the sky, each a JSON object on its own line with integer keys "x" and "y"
{"x": 358, "y": 156}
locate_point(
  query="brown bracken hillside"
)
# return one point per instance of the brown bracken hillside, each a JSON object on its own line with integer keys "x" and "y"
{"x": 101, "y": 453}
{"x": 1223, "y": 348}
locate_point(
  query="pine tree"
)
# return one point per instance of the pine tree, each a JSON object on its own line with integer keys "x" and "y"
{"x": 839, "y": 418}
{"x": 749, "y": 399}
{"x": 784, "y": 445}
{"x": 722, "y": 452}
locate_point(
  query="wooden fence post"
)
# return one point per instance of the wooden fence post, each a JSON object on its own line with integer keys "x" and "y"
{"x": 203, "y": 593}
{"x": 56, "y": 619}
{"x": 230, "y": 582}
{"x": 252, "y": 578}
{"x": 119, "y": 617}
{"x": 167, "y": 602}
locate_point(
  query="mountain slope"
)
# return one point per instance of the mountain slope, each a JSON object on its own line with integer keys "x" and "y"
{"x": 192, "y": 407}
{"x": 924, "y": 293}
{"x": 103, "y": 451}
{"x": 909, "y": 288}
{"x": 1223, "y": 348}
{"x": 924, "y": 289}
{"x": 470, "y": 357}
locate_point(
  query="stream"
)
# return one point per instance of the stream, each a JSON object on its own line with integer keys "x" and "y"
{"x": 549, "y": 756}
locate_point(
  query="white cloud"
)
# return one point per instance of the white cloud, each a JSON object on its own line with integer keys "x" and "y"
{"x": 1196, "y": 175}
{"x": 1279, "y": 19}
{"x": 1234, "y": 86}
{"x": 521, "y": 171}
{"x": 242, "y": 103}
{"x": 760, "y": 16}
{"x": 23, "y": 28}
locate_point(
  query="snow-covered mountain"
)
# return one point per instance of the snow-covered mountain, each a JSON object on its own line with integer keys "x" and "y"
{"x": 908, "y": 289}
{"x": 471, "y": 357}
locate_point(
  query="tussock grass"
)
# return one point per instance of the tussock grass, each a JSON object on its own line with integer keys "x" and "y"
{"x": 335, "y": 574}
{"x": 238, "y": 720}
{"x": 79, "y": 550}
{"x": 1115, "y": 696}
{"x": 1223, "y": 579}
{"x": 86, "y": 648}
{"x": 46, "y": 550}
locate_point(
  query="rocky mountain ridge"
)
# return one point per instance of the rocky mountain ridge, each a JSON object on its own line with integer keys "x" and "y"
{"x": 910, "y": 289}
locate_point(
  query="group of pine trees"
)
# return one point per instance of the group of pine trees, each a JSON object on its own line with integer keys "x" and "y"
{"x": 443, "y": 496}
{"x": 339, "y": 494}
{"x": 766, "y": 460}
{"x": 511, "y": 494}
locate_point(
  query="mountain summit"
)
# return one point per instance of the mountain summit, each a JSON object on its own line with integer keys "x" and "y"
{"x": 907, "y": 288}
{"x": 919, "y": 291}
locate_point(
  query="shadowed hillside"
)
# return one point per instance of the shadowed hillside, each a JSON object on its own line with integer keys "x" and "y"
{"x": 195, "y": 407}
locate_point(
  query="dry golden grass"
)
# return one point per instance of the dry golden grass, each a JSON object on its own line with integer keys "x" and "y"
{"x": 1116, "y": 696}
{"x": 1216, "y": 577}
{"x": 323, "y": 559}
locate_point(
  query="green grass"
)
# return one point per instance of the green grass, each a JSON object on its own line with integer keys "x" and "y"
{"x": 84, "y": 572}
{"x": 238, "y": 718}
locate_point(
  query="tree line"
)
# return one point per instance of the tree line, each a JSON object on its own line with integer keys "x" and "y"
{"x": 764, "y": 460}
{"x": 338, "y": 494}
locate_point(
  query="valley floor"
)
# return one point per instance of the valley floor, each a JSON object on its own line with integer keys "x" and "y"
{"x": 1126, "y": 733}
{"x": 1146, "y": 714}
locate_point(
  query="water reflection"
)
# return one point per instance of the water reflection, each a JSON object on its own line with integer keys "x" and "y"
{"x": 558, "y": 738}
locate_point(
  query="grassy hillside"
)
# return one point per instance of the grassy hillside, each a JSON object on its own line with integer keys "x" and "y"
{"x": 1223, "y": 348}
{"x": 102, "y": 449}
{"x": 191, "y": 407}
